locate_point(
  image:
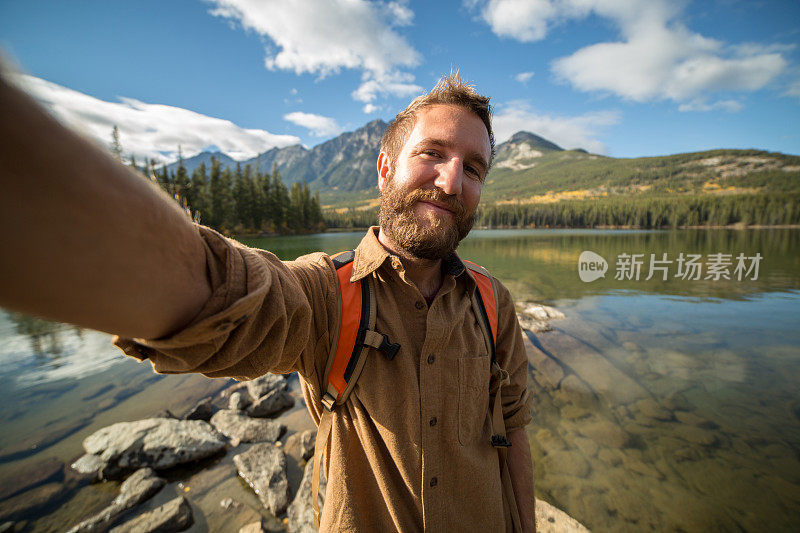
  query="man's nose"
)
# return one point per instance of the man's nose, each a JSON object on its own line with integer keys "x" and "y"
{"x": 449, "y": 176}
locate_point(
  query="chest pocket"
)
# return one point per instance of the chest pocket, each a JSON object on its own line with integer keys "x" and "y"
{"x": 473, "y": 397}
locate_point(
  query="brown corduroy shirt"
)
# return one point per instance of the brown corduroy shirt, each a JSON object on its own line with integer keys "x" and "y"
{"x": 410, "y": 450}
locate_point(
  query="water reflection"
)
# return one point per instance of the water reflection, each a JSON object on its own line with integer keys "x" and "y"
{"x": 659, "y": 405}
{"x": 45, "y": 336}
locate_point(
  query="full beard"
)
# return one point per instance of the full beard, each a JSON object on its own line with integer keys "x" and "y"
{"x": 423, "y": 236}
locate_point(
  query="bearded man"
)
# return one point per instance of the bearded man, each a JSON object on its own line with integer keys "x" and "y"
{"x": 410, "y": 450}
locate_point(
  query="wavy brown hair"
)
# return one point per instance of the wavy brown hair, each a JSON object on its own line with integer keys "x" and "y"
{"x": 451, "y": 90}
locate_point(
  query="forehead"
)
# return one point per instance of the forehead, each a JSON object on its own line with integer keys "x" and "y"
{"x": 456, "y": 125}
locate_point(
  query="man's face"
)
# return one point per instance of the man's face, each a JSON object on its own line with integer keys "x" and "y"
{"x": 430, "y": 194}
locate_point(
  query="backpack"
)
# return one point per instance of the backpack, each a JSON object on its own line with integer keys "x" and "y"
{"x": 356, "y": 335}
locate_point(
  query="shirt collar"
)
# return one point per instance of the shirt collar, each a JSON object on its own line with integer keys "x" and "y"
{"x": 370, "y": 255}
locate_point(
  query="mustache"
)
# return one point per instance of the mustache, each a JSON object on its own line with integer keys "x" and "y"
{"x": 438, "y": 196}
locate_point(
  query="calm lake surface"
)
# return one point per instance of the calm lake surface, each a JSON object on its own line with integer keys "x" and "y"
{"x": 664, "y": 404}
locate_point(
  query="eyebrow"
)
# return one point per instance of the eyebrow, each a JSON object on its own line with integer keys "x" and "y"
{"x": 473, "y": 157}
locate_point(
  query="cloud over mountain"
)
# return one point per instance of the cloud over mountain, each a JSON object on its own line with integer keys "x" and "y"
{"x": 580, "y": 131}
{"x": 152, "y": 131}
{"x": 318, "y": 125}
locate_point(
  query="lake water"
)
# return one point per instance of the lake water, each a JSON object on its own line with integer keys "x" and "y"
{"x": 662, "y": 404}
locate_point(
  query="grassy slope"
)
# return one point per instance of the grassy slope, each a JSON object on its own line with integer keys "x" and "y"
{"x": 575, "y": 174}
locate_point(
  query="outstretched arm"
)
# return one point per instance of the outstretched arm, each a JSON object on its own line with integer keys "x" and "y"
{"x": 83, "y": 239}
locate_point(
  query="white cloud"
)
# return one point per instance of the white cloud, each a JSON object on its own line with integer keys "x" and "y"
{"x": 793, "y": 90}
{"x": 568, "y": 132}
{"x": 395, "y": 84}
{"x": 151, "y": 131}
{"x": 732, "y": 106}
{"x": 324, "y": 36}
{"x": 370, "y": 108}
{"x": 656, "y": 58}
{"x": 318, "y": 125}
{"x": 523, "y": 20}
{"x": 523, "y": 77}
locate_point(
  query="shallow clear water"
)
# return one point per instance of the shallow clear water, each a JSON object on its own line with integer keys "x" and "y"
{"x": 659, "y": 405}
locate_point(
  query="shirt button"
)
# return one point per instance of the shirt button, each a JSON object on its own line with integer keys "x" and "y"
{"x": 431, "y": 359}
{"x": 433, "y": 421}
{"x": 419, "y": 305}
{"x": 434, "y": 481}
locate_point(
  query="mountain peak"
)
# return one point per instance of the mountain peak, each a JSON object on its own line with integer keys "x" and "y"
{"x": 534, "y": 141}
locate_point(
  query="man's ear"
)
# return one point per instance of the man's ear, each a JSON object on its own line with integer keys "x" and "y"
{"x": 383, "y": 170}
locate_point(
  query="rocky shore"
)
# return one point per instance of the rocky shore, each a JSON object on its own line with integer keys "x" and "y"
{"x": 164, "y": 468}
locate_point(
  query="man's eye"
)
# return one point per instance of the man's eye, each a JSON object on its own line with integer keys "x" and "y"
{"x": 432, "y": 153}
{"x": 472, "y": 172}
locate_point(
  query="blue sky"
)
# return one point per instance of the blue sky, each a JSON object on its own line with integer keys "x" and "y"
{"x": 625, "y": 78}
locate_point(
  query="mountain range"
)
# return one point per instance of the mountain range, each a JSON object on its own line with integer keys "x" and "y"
{"x": 528, "y": 169}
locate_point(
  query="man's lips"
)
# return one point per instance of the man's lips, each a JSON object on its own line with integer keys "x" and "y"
{"x": 438, "y": 206}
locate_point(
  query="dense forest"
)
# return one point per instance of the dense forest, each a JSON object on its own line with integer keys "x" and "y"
{"x": 674, "y": 211}
{"x": 240, "y": 201}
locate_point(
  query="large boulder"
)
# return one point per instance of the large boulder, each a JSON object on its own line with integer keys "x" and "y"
{"x": 175, "y": 515}
{"x": 265, "y": 384}
{"x": 241, "y": 428}
{"x": 270, "y": 404}
{"x": 140, "y": 486}
{"x": 264, "y": 468}
{"x": 301, "y": 512}
{"x": 155, "y": 442}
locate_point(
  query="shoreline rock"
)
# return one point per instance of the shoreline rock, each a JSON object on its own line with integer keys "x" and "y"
{"x": 139, "y": 487}
{"x": 155, "y": 442}
{"x": 175, "y": 515}
{"x": 536, "y": 317}
{"x": 264, "y": 468}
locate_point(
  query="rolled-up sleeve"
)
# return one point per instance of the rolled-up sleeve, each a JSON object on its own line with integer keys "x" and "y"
{"x": 512, "y": 358}
{"x": 263, "y": 316}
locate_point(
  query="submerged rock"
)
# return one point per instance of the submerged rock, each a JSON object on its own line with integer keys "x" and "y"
{"x": 242, "y": 428}
{"x": 175, "y": 515}
{"x": 32, "y": 502}
{"x": 301, "y": 512}
{"x": 566, "y": 462}
{"x": 605, "y": 433}
{"x": 28, "y": 476}
{"x": 140, "y": 486}
{"x": 43, "y": 438}
{"x": 274, "y": 402}
{"x": 264, "y": 468}
{"x": 155, "y": 442}
{"x": 695, "y": 435}
{"x": 652, "y": 409}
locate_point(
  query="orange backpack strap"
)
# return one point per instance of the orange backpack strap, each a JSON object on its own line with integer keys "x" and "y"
{"x": 484, "y": 302}
{"x": 350, "y": 344}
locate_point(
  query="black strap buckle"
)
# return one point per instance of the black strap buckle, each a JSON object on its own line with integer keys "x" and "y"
{"x": 500, "y": 441}
{"x": 389, "y": 349}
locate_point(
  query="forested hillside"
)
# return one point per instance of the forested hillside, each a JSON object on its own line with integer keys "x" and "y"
{"x": 533, "y": 183}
